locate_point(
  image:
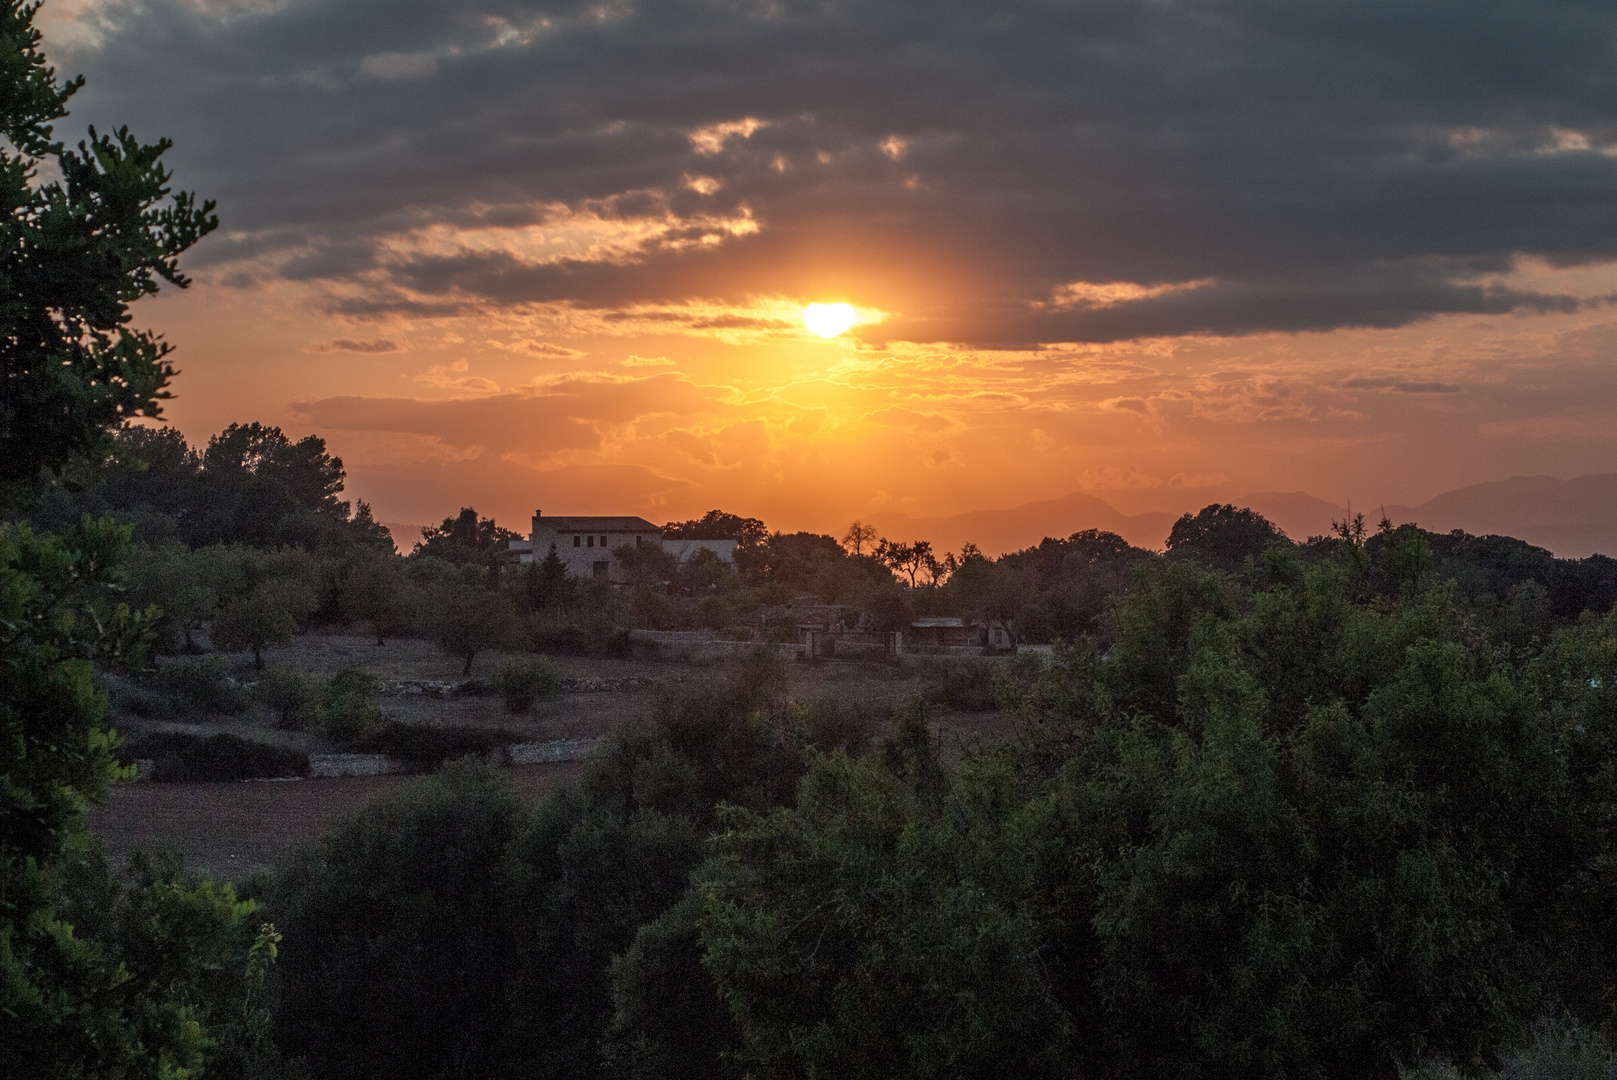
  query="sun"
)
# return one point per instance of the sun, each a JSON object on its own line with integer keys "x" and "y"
{"x": 829, "y": 320}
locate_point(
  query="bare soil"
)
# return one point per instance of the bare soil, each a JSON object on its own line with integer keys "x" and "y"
{"x": 230, "y": 829}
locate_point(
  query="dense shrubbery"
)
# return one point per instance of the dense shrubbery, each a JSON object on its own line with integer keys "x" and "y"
{"x": 183, "y": 688}
{"x": 1315, "y": 819}
{"x": 348, "y": 710}
{"x": 424, "y": 747}
{"x": 523, "y": 682}
{"x": 177, "y": 756}
{"x": 452, "y": 933}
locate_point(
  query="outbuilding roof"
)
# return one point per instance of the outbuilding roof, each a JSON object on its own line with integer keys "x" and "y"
{"x": 598, "y": 525}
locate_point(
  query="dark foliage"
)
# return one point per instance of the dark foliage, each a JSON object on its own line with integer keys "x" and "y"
{"x": 425, "y": 747}
{"x": 967, "y": 686}
{"x": 446, "y": 933}
{"x": 251, "y": 485}
{"x": 79, "y": 251}
{"x": 718, "y": 525}
{"x": 523, "y": 682}
{"x": 466, "y": 540}
{"x": 181, "y": 756}
{"x": 1223, "y": 536}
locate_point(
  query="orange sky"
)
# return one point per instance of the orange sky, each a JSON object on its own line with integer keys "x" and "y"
{"x": 548, "y": 408}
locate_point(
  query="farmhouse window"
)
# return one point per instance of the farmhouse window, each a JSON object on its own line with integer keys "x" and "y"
{"x": 592, "y": 542}
{"x": 577, "y": 540}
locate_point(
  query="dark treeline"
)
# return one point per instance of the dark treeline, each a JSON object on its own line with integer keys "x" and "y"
{"x": 250, "y": 485}
{"x": 249, "y": 537}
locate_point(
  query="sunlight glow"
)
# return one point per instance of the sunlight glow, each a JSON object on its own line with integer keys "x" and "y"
{"x": 829, "y": 320}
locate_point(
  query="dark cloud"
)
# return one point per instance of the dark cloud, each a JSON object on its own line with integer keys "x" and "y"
{"x": 375, "y": 345}
{"x": 1313, "y": 164}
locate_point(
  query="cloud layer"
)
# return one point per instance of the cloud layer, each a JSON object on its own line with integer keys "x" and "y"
{"x": 988, "y": 172}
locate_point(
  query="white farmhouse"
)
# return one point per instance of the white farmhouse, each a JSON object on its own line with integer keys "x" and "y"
{"x": 585, "y": 544}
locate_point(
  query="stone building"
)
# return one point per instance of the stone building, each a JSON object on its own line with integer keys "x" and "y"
{"x": 585, "y": 544}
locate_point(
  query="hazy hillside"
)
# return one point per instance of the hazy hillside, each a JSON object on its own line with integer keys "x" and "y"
{"x": 1300, "y": 514}
{"x": 999, "y": 531}
{"x": 1573, "y": 518}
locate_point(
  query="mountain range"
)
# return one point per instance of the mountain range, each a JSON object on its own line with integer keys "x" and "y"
{"x": 1572, "y": 518}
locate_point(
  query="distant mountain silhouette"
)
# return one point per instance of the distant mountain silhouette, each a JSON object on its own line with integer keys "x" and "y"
{"x": 999, "y": 531}
{"x": 1299, "y": 514}
{"x": 1573, "y": 518}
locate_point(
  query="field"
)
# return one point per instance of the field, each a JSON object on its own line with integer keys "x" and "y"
{"x": 230, "y": 828}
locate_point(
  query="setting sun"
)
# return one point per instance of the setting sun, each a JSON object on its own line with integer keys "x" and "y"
{"x": 829, "y": 320}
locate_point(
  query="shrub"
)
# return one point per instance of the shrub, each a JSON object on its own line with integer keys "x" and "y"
{"x": 181, "y": 688}
{"x": 181, "y": 756}
{"x": 968, "y": 687}
{"x": 348, "y": 713}
{"x": 831, "y": 723}
{"x": 295, "y": 697}
{"x": 522, "y": 682}
{"x": 424, "y": 747}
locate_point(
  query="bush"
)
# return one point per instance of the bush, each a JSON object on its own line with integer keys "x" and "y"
{"x": 203, "y": 684}
{"x": 295, "y": 697}
{"x": 181, "y": 756}
{"x": 348, "y": 713}
{"x": 398, "y": 943}
{"x": 968, "y": 687}
{"x": 424, "y": 747}
{"x": 831, "y": 723}
{"x": 182, "y": 688}
{"x": 522, "y": 682}
{"x": 564, "y": 637}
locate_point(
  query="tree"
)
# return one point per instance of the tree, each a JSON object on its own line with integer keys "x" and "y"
{"x": 545, "y": 584}
{"x": 718, "y": 525}
{"x": 97, "y": 978}
{"x": 1223, "y": 536}
{"x": 647, "y": 564}
{"x": 303, "y": 470}
{"x": 1271, "y": 830}
{"x": 264, "y": 598}
{"x": 372, "y": 591}
{"x": 466, "y": 539}
{"x": 907, "y": 559}
{"x": 466, "y": 617}
{"x": 78, "y": 251}
{"x": 251, "y": 485}
{"x": 183, "y": 585}
{"x": 858, "y": 536}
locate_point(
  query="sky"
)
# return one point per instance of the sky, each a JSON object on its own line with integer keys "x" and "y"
{"x": 555, "y": 255}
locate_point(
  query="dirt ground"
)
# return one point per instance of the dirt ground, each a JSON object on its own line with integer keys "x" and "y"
{"x": 231, "y": 828}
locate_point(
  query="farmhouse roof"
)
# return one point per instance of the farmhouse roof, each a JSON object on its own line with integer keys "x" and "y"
{"x": 598, "y": 525}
